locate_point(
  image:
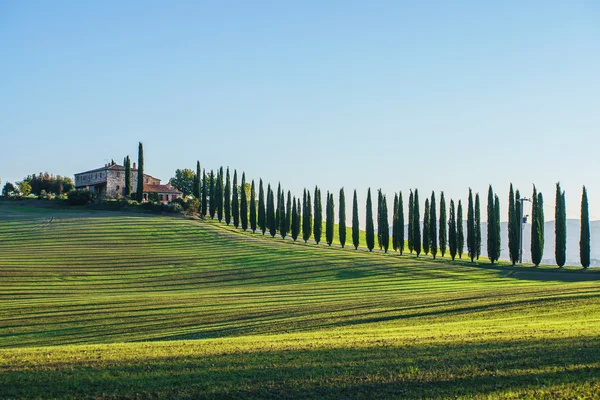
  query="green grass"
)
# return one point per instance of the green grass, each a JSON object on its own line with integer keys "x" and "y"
{"x": 127, "y": 306}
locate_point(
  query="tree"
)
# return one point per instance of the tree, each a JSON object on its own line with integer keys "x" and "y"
{"x": 127, "y": 177}
{"x": 288, "y": 212}
{"x": 395, "y": 227}
{"x": 471, "y": 236}
{"x": 329, "y": 221}
{"x": 227, "y": 198}
{"x": 253, "y": 207}
{"x": 355, "y": 227}
{"x": 426, "y": 230}
{"x": 204, "y": 201}
{"x": 416, "y": 224}
{"x": 443, "y": 225}
{"x": 498, "y": 246}
{"x": 452, "y": 237}
{"x": 318, "y": 225}
{"x": 477, "y": 226}
{"x": 212, "y": 205}
{"x": 400, "y": 223}
{"x": 584, "y": 236}
{"x": 262, "y": 221}
{"x": 197, "y": 181}
{"x": 370, "y": 231}
{"x": 491, "y": 226}
{"x": 219, "y": 193}
{"x": 235, "y": 201}
{"x": 342, "y": 218}
{"x": 379, "y": 216}
{"x": 279, "y": 205}
{"x": 560, "y": 227}
{"x": 10, "y": 190}
{"x": 24, "y": 188}
{"x": 460, "y": 235}
{"x": 411, "y": 242}
{"x": 183, "y": 181}
{"x": 294, "y": 223}
{"x": 536, "y": 256}
{"x": 282, "y": 216}
{"x": 433, "y": 226}
{"x": 271, "y": 212}
{"x": 306, "y": 217}
{"x": 139, "y": 195}
{"x": 385, "y": 231}
{"x": 244, "y": 203}
{"x": 513, "y": 227}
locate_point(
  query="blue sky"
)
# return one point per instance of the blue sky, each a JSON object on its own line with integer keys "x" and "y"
{"x": 392, "y": 95}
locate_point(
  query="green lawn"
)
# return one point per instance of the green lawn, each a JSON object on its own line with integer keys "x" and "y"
{"x": 109, "y": 305}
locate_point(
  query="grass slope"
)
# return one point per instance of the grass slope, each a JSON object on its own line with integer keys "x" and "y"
{"x": 111, "y": 306}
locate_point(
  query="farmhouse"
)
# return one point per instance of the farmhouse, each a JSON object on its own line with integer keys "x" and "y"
{"x": 109, "y": 182}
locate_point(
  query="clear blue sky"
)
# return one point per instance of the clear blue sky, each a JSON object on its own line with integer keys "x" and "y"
{"x": 434, "y": 95}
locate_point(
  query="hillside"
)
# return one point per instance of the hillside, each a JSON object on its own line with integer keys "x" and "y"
{"x": 110, "y": 305}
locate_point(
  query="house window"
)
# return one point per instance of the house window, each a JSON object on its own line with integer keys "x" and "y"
{"x": 117, "y": 187}
{"x": 161, "y": 197}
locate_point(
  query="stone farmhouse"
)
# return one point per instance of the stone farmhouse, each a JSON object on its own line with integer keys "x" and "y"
{"x": 109, "y": 182}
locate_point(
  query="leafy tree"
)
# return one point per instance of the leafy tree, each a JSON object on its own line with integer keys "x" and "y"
{"x": 385, "y": 231}
{"x": 411, "y": 242}
{"x": 329, "y": 222}
{"x": 244, "y": 203}
{"x": 443, "y": 225}
{"x": 513, "y": 227}
{"x": 342, "y": 218}
{"x": 471, "y": 235}
{"x": 452, "y": 235}
{"x": 491, "y": 226}
{"x": 560, "y": 227}
{"x": 426, "y": 228}
{"x": 370, "y": 231}
{"x": 24, "y": 188}
{"x": 253, "y": 207}
{"x": 416, "y": 224}
{"x": 432, "y": 225}
{"x": 318, "y": 224}
{"x": 235, "y": 201}
{"x": 183, "y": 181}
{"x": 10, "y": 190}
{"x": 49, "y": 183}
{"x": 127, "y": 177}
{"x": 262, "y": 221}
{"x": 294, "y": 224}
{"x": 355, "y": 226}
{"x": 584, "y": 236}
{"x": 271, "y": 212}
{"x": 204, "y": 201}
{"x": 400, "y": 223}
{"x": 212, "y": 205}
{"x": 307, "y": 217}
{"x": 460, "y": 236}
{"x": 139, "y": 195}
{"x": 477, "y": 226}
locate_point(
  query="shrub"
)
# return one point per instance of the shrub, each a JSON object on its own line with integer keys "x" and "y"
{"x": 80, "y": 197}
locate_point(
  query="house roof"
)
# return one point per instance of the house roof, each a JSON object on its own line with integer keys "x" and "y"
{"x": 160, "y": 189}
{"x": 115, "y": 167}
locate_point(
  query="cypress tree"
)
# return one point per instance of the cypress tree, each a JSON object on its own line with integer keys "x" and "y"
{"x": 400, "y": 223}
{"x": 244, "y": 203}
{"x": 342, "y": 218}
{"x": 227, "y": 192}
{"x": 253, "y": 207}
{"x": 282, "y": 216}
{"x": 477, "y": 226}
{"x": 288, "y": 212}
{"x": 294, "y": 223}
{"x": 139, "y": 195}
{"x": 385, "y": 231}
{"x": 426, "y": 228}
{"x": 379, "y": 211}
{"x": 395, "y": 223}
{"x": 318, "y": 224}
{"x": 279, "y": 205}
{"x": 535, "y": 232}
{"x": 271, "y": 212}
{"x": 299, "y": 212}
{"x": 491, "y": 226}
{"x": 452, "y": 237}
{"x": 411, "y": 242}
{"x": 262, "y": 222}
{"x": 560, "y": 227}
{"x": 219, "y": 196}
{"x": 433, "y": 226}
{"x": 307, "y": 217}
{"x": 416, "y": 224}
{"x": 518, "y": 225}
{"x": 460, "y": 235}
{"x": 204, "y": 202}
{"x": 355, "y": 227}
{"x": 127, "y": 177}
{"x": 329, "y": 222}
{"x": 235, "y": 201}
{"x": 584, "y": 234}
{"x": 471, "y": 240}
{"x": 513, "y": 227}
{"x": 498, "y": 246}
{"x": 370, "y": 232}
{"x": 212, "y": 205}
{"x": 443, "y": 225}
{"x": 197, "y": 187}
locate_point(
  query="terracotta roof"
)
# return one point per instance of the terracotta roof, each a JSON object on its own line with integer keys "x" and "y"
{"x": 160, "y": 189}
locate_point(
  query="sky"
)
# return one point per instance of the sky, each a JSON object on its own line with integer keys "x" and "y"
{"x": 433, "y": 95}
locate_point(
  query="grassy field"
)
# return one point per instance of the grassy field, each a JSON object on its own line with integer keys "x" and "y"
{"x": 109, "y": 305}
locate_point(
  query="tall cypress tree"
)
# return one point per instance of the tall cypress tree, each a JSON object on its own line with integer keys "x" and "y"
{"x": 584, "y": 234}
{"x": 294, "y": 223}
{"x": 498, "y": 246}
{"x": 262, "y": 222}
{"x": 491, "y": 226}
{"x": 477, "y": 226}
{"x": 299, "y": 211}
{"x": 212, "y": 205}
{"x": 460, "y": 234}
{"x": 127, "y": 177}
{"x": 471, "y": 240}
{"x": 329, "y": 221}
{"x": 513, "y": 227}
{"x": 416, "y": 224}
{"x": 271, "y": 212}
{"x": 227, "y": 202}
{"x": 370, "y": 231}
{"x": 253, "y": 207}
{"x": 279, "y": 205}
{"x": 355, "y": 226}
{"x": 519, "y": 221}
{"x": 235, "y": 201}
{"x": 318, "y": 225}
{"x": 307, "y": 217}
{"x": 560, "y": 227}
{"x": 139, "y": 195}
{"x": 219, "y": 194}
{"x": 411, "y": 242}
{"x": 426, "y": 228}
{"x": 452, "y": 237}
{"x": 379, "y": 211}
{"x": 535, "y": 234}
{"x": 244, "y": 203}
{"x": 197, "y": 181}
{"x": 443, "y": 225}
{"x": 288, "y": 212}
{"x": 385, "y": 231}
{"x": 282, "y": 216}
{"x": 400, "y": 223}
{"x": 204, "y": 201}
{"x": 395, "y": 223}
{"x": 432, "y": 226}
{"x": 342, "y": 218}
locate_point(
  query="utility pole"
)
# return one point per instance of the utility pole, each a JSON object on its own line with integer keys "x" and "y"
{"x": 522, "y": 221}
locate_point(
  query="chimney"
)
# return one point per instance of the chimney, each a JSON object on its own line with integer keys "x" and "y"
{"x": 134, "y": 166}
